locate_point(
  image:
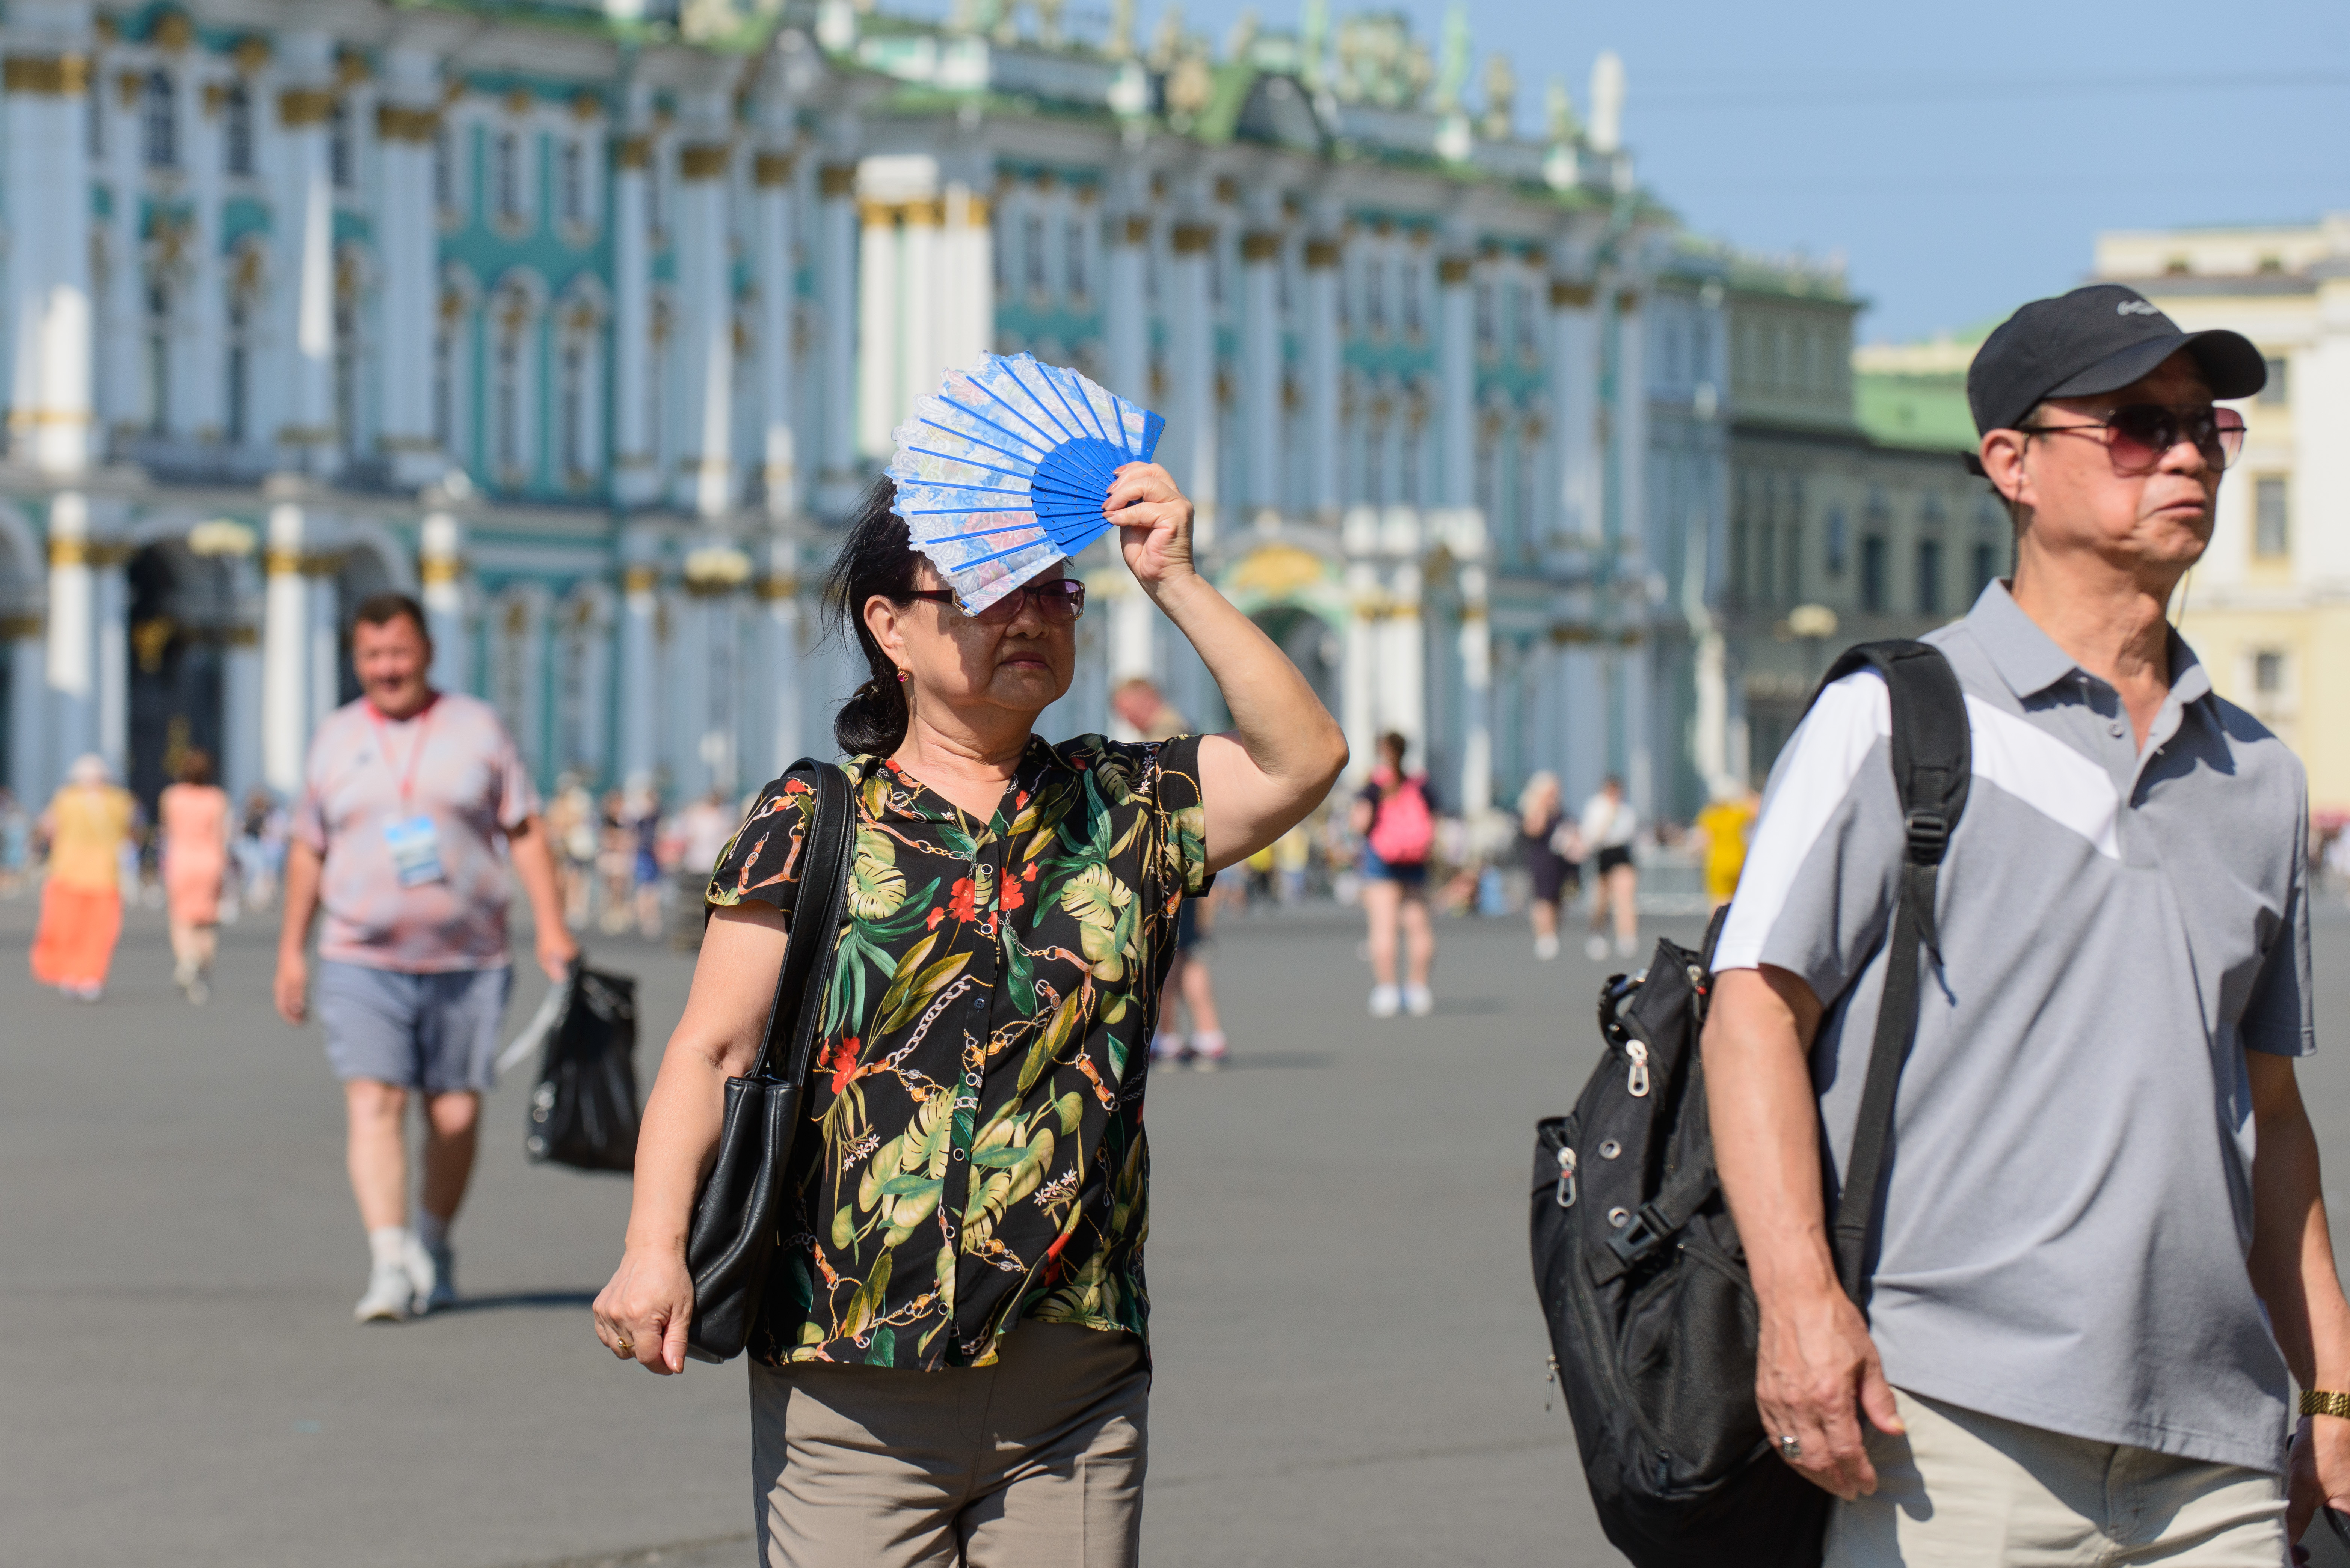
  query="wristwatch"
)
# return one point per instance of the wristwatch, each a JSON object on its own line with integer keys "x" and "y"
{"x": 2320, "y": 1402}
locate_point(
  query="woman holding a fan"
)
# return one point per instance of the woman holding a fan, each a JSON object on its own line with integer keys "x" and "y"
{"x": 950, "y": 1363}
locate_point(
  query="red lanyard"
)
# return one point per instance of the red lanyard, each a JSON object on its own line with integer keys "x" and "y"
{"x": 423, "y": 718}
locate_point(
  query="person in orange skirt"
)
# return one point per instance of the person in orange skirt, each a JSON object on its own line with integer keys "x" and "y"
{"x": 194, "y": 817}
{"x": 81, "y": 903}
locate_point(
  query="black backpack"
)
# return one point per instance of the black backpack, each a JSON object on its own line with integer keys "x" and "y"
{"x": 1652, "y": 1319}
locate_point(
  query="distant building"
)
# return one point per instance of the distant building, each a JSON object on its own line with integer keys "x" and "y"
{"x": 2268, "y": 608}
{"x": 587, "y": 322}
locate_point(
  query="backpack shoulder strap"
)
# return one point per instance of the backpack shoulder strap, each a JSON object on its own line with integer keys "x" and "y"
{"x": 1932, "y": 766}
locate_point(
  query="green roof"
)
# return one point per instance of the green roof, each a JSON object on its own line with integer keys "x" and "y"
{"x": 1924, "y": 412}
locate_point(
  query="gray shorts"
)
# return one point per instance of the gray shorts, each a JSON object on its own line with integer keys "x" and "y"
{"x": 437, "y": 1032}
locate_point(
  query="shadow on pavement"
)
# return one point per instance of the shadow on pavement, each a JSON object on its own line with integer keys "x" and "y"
{"x": 521, "y": 1301}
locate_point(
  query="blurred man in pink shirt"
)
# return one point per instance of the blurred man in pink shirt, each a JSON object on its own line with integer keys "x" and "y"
{"x": 405, "y": 797}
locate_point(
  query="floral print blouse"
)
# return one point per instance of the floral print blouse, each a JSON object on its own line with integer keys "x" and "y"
{"x": 975, "y": 1153}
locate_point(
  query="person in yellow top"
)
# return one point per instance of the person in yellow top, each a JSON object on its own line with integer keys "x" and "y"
{"x": 1721, "y": 831}
{"x": 81, "y": 903}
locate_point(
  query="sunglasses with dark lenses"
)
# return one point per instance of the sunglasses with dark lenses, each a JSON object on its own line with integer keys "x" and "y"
{"x": 1060, "y": 601}
{"x": 2138, "y": 434}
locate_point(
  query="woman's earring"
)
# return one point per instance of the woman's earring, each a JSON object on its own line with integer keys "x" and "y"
{"x": 901, "y": 677}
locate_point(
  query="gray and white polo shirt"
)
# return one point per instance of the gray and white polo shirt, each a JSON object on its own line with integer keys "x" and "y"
{"x": 2070, "y": 1206}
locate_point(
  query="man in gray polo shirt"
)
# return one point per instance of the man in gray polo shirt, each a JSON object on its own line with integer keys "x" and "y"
{"x": 2104, "y": 1247}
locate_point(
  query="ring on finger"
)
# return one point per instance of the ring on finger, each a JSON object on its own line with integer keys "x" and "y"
{"x": 1790, "y": 1448}
{"x": 628, "y": 1348}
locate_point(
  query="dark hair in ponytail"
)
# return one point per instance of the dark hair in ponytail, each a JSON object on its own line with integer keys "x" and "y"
{"x": 877, "y": 557}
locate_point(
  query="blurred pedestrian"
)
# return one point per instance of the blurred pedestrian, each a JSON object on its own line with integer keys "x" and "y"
{"x": 87, "y": 825}
{"x": 1395, "y": 817}
{"x": 1292, "y": 853}
{"x": 571, "y": 828}
{"x": 406, "y": 796}
{"x": 952, "y": 1368}
{"x": 616, "y": 863}
{"x": 643, "y": 815}
{"x": 1546, "y": 839}
{"x": 1144, "y": 708}
{"x": 1191, "y": 982}
{"x": 1721, "y": 830}
{"x": 193, "y": 820}
{"x": 261, "y": 848}
{"x": 15, "y": 845}
{"x": 1606, "y": 829}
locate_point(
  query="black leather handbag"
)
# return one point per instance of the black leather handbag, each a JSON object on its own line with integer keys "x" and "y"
{"x": 740, "y": 1207}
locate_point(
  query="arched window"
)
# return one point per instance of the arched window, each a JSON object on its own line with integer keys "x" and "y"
{"x": 571, "y": 406}
{"x": 506, "y": 176}
{"x": 236, "y": 130}
{"x": 159, "y": 121}
{"x": 571, "y": 183}
{"x": 506, "y": 401}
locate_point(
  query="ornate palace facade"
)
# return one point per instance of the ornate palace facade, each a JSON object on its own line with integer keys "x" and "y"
{"x": 588, "y": 327}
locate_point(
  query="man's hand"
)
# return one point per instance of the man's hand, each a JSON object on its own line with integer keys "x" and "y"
{"x": 557, "y": 951}
{"x": 1154, "y": 523}
{"x": 2318, "y": 1475}
{"x": 292, "y": 988}
{"x": 1815, "y": 1375}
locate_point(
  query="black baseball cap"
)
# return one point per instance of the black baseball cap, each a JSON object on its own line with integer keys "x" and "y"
{"x": 2095, "y": 339}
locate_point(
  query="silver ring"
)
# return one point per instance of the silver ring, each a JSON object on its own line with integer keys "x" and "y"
{"x": 1790, "y": 1448}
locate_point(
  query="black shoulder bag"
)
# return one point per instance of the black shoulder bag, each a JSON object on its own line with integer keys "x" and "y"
{"x": 1652, "y": 1318}
{"x": 740, "y": 1207}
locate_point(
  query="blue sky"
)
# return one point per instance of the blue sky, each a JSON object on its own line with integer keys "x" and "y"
{"x": 1961, "y": 158}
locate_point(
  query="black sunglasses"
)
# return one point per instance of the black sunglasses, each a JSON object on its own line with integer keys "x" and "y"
{"x": 1060, "y": 601}
{"x": 2136, "y": 435}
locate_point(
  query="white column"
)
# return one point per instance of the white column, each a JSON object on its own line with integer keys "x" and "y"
{"x": 778, "y": 297}
{"x": 440, "y": 566}
{"x": 921, "y": 358}
{"x": 30, "y": 770}
{"x": 47, "y": 193}
{"x": 325, "y": 644}
{"x": 407, "y": 244}
{"x": 703, "y": 482}
{"x": 1403, "y": 661}
{"x": 966, "y": 281}
{"x": 1323, "y": 385}
{"x": 1189, "y": 447}
{"x": 634, "y": 481}
{"x": 199, "y": 363}
{"x": 1476, "y": 646}
{"x": 1262, "y": 416}
{"x": 1574, "y": 398}
{"x": 639, "y": 700}
{"x": 781, "y": 675}
{"x": 1456, "y": 385}
{"x": 122, "y": 345}
{"x": 110, "y": 627}
{"x": 880, "y": 347}
{"x": 1631, "y": 430}
{"x": 285, "y": 651}
{"x": 241, "y": 687}
{"x": 1126, "y": 321}
{"x": 305, "y": 210}
{"x": 837, "y": 292}
{"x": 72, "y": 666}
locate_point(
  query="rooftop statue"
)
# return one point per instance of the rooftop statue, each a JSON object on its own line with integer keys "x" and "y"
{"x": 1500, "y": 98}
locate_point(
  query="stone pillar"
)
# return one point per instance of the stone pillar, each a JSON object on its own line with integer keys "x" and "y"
{"x": 1189, "y": 449}
{"x": 966, "y": 281}
{"x": 110, "y": 618}
{"x": 122, "y": 333}
{"x": 71, "y": 664}
{"x": 770, "y": 176}
{"x": 836, "y": 295}
{"x": 1476, "y": 647}
{"x": 1403, "y": 661}
{"x": 1575, "y": 397}
{"x": 1263, "y": 417}
{"x": 1324, "y": 389}
{"x": 781, "y": 675}
{"x": 639, "y": 699}
{"x": 440, "y": 570}
{"x": 407, "y": 244}
{"x": 634, "y": 480}
{"x": 47, "y": 193}
{"x": 1631, "y": 430}
{"x": 30, "y": 770}
{"x": 703, "y": 482}
{"x": 1126, "y": 316}
{"x": 199, "y": 361}
{"x": 1456, "y": 385}
{"x": 285, "y": 651}
{"x": 880, "y": 345}
{"x": 306, "y": 214}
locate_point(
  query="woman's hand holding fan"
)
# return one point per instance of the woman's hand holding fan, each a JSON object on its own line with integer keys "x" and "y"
{"x": 1154, "y": 523}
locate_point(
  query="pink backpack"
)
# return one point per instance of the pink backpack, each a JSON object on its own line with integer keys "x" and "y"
{"x": 1403, "y": 830}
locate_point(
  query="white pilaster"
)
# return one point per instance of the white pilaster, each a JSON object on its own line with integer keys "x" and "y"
{"x": 778, "y": 367}
{"x": 1262, "y": 416}
{"x": 285, "y": 651}
{"x": 1456, "y": 385}
{"x": 1575, "y": 397}
{"x": 1126, "y": 321}
{"x": 634, "y": 480}
{"x": 703, "y": 482}
{"x": 1476, "y": 646}
{"x": 199, "y": 361}
{"x": 837, "y": 292}
{"x": 641, "y": 701}
{"x": 1323, "y": 385}
{"x": 966, "y": 280}
{"x": 407, "y": 243}
{"x": 1631, "y": 430}
{"x": 781, "y": 677}
{"x": 122, "y": 378}
{"x": 72, "y": 661}
{"x": 880, "y": 345}
{"x": 1403, "y": 662}
{"x": 1189, "y": 446}
{"x": 48, "y": 194}
{"x": 305, "y": 216}
{"x": 242, "y": 720}
{"x": 440, "y": 566}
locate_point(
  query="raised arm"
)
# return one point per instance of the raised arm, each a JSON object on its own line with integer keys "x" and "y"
{"x": 1283, "y": 751}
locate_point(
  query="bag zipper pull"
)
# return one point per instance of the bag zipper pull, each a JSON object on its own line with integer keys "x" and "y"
{"x": 1637, "y": 1083}
{"x": 1566, "y": 1190}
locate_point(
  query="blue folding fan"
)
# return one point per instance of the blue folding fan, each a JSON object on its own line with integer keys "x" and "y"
{"x": 1004, "y": 472}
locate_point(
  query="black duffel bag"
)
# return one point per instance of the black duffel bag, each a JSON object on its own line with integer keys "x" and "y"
{"x": 1652, "y": 1319}
{"x": 584, "y": 1110}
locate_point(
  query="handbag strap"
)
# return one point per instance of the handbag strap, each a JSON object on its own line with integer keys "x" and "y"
{"x": 808, "y": 953}
{"x": 1932, "y": 766}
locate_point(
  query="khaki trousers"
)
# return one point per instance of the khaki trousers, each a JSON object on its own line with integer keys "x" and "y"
{"x": 1963, "y": 1489}
{"x": 1034, "y": 1462}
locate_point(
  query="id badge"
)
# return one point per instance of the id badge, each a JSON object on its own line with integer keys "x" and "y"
{"x": 415, "y": 845}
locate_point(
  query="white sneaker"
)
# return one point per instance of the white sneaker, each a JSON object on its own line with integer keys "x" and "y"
{"x": 1209, "y": 1051}
{"x": 199, "y": 993}
{"x": 1385, "y": 999}
{"x": 1418, "y": 1000}
{"x": 387, "y": 1292}
{"x": 431, "y": 1276}
{"x": 1627, "y": 946}
{"x": 1594, "y": 948}
{"x": 1546, "y": 948}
